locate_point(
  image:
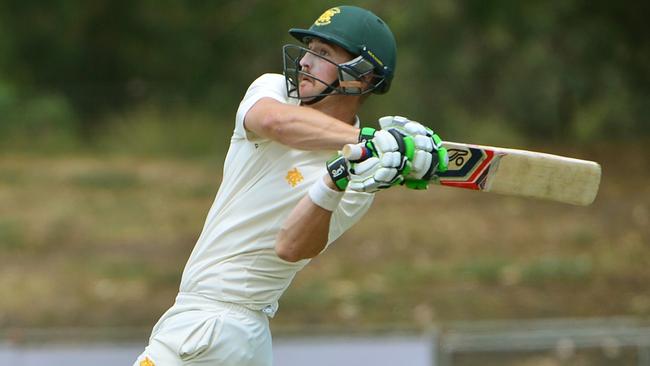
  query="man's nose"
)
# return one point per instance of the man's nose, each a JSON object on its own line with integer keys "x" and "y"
{"x": 306, "y": 61}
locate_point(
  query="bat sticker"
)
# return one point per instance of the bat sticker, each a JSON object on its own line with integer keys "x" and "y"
{"x": 468, "y": 168}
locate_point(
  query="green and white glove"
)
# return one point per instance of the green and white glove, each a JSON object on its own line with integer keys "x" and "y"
{"x": 426, "y": 157}
{"x": 384, "y": 163}
{"x": 370, "y": 175}
{"x": 402, "y": 152}
{"x": 380, "y": 168}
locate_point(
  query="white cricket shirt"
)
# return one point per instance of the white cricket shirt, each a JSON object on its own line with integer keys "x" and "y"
{"x": 234, "y": 259}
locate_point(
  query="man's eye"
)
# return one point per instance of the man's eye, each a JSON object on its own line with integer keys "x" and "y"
{"x": 323, "y": 52}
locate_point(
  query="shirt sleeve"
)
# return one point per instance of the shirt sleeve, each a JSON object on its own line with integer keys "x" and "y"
{"x": 266, "y": 86}
{"x": 352, "y": 208}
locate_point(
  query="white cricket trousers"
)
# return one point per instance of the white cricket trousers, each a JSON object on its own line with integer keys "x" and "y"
{"x": 201, "y": 331}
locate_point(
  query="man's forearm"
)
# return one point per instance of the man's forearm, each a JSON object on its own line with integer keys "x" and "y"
{"x": 299, "y": 127}
{"x": 304, "y": 233}
{"x": 309, "y": 129}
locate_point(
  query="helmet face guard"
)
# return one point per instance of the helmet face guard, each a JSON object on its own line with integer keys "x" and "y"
{"x": 350, "y": 79}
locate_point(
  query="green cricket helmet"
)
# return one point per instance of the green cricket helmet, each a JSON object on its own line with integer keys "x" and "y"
{"x": 364, "y": 35}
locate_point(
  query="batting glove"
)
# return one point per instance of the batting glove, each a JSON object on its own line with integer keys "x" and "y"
{"x": 381, "y": 162}
{"x": 425, "y": 154}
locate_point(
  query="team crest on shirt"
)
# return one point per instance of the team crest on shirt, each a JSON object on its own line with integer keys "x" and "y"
{"x": 294, "y": 177}
{"x": 147, "y": 362}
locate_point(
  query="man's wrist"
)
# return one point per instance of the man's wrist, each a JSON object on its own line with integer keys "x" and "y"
{"x": 324, "y": 196}
{"x": 330, "y": 183}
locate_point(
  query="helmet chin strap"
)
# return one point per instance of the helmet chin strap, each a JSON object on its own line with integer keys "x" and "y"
{"x": 326, "y": 93}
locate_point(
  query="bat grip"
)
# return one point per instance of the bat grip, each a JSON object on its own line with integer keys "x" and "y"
{"x": 356, "y": 153}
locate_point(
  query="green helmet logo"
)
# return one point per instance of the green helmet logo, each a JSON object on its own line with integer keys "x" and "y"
{"x": 359, "y": 32}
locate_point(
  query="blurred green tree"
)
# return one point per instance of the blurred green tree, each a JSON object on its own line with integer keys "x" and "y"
{"x": 558, "y": 70}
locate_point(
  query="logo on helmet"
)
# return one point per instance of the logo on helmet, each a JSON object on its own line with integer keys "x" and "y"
{"x": 326, "y": 17}
{"x": 377, "y": 60}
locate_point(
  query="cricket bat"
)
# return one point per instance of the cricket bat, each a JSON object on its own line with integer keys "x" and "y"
{"x": 517, "y": 173}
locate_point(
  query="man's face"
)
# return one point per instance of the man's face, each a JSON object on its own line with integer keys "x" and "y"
{"x": 320, "y": 68}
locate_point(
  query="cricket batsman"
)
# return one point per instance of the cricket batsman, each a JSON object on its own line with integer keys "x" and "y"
{"x": 286, "y": 194}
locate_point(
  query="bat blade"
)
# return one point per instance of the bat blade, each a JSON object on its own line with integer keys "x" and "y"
{"x": 521, "y": 173}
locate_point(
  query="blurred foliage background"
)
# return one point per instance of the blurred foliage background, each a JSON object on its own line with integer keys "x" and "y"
{"x": 115, "y": 115}
{"x": 82, "y": 74}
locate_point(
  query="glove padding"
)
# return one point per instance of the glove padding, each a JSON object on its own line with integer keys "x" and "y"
{"x": 374, "y": 174}
{"x": 403, "y": 152}
{"x": 428, "y": 156}
{"x": 383, "y": 167}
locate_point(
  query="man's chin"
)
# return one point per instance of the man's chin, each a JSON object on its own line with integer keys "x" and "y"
{"x": 308, "y": 94}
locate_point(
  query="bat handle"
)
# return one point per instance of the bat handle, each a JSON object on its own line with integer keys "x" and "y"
{"x": 356, "y": 153}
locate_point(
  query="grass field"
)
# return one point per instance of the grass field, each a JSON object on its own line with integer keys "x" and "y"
{"x": 102, "y": 240}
